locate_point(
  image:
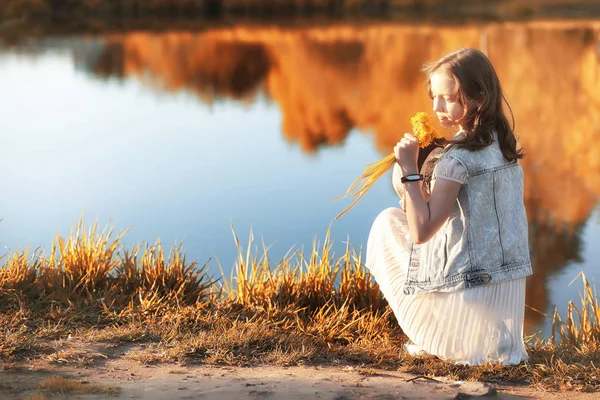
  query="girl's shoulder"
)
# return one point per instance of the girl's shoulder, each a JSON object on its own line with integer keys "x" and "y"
{"x": 488, "y": 157}
{"x": 451, "y": 168}
{"x": 453, "y": 154}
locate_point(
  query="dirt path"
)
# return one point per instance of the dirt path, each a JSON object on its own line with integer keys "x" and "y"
{"x": 131, "y": 380}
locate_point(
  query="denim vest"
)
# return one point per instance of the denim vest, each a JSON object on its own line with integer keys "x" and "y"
{"x": 485, "y": 239}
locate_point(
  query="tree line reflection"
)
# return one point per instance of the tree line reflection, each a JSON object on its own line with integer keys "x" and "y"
{"x": 329, "y": 80}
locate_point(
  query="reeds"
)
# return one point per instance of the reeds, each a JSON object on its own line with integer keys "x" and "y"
{"x": 307, "y": 283}
{"x": 309, "y": 307}
{"x": 91, "y": 272}
{"x": 582, "y": 328}
{"x": 423, "y": 130}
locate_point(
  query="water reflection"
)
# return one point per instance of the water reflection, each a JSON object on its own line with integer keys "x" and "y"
{"x": 210, "y": 69}
{"x": 327, "y": 81}
{"x": 551, "y": 250}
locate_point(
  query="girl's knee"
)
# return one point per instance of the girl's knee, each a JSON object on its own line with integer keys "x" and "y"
{"x": 392, "y": 216}
{"x": 391, "y": 212}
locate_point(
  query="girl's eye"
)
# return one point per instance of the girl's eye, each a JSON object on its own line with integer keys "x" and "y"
{"x": 448, "y": 99}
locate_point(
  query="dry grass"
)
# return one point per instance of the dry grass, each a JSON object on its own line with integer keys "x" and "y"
{"x": 36, "y": 397}
{"x": 58, "y": 384}
{"x": 309, "y": 308}
{"x": 582, "y": 328}
{"x": 73, "y": 356}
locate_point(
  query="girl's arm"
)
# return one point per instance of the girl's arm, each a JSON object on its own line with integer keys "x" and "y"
{"x": 425, "y": 215}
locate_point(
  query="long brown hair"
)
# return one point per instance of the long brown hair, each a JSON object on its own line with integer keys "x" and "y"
{"x": 479, "y": 91}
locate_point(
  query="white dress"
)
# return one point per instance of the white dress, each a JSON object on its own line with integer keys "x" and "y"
{"x": 471, "y": 326}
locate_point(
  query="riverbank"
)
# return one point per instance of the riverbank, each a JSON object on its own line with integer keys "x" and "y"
{"x": 92, "y": 301}
{"x": 124, "y": 379}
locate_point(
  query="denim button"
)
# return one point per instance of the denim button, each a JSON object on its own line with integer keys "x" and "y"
{"x": 486, "y": 278}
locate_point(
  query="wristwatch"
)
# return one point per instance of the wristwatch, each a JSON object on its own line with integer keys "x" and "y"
{"x": 411, "y": 178}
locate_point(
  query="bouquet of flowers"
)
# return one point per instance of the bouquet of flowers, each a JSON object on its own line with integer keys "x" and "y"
{"x": 423, "y": 130}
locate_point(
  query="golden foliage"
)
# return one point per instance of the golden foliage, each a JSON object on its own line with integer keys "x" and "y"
{"x": 582, "y": 328}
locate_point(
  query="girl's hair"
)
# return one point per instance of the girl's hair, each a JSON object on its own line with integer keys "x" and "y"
{"x": 479, "y": 91}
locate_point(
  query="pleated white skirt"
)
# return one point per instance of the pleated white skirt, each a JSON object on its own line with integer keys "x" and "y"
{"x": 471, "y": 326}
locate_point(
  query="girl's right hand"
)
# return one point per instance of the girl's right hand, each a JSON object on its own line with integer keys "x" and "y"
{"x": 407, "y": 152}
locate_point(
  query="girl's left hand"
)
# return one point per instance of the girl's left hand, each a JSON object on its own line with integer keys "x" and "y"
{"x": 407, "y": 152}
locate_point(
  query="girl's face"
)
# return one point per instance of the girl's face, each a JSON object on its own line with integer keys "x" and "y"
{"x": 446, "y": 103}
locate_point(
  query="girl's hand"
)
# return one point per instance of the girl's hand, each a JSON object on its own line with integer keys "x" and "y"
{"x": 407, "y": 152}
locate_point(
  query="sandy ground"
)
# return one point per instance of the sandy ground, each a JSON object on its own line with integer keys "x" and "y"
{"x": 132, "y": 380}
{"x": 135, "y": 381}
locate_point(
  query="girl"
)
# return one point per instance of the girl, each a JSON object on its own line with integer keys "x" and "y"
{"x": 452, "y": 264}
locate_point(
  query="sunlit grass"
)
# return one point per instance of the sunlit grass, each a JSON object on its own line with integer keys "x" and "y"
{"x": 582, "y": 327}
{"x": 58, "y": 384}
{"x": 308, "y": 308}
{"x": 36, "y": 397}
{"x": 308, "y": 283}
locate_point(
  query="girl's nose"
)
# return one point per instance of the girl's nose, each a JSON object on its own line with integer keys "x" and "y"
{"x": 437, "y": 106}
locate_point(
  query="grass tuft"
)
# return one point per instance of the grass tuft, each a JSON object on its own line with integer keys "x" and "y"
{"x": 308, "y": 308}
{"x": 36, "y": 397}
{"x": 582, "y": 328}
{"x": 58, "y": 384}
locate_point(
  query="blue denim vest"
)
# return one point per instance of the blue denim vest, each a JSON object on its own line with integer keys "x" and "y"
{"x": 485, "y": 239}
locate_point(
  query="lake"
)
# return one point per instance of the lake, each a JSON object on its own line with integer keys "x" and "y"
{"x": 181, "y": 134}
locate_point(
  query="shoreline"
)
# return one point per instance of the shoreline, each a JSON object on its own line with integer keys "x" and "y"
{"x": 122, "y": 378}
{"x": 93, "y": 302}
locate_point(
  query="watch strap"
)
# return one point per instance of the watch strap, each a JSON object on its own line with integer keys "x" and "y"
{"x": 411, "y": 178}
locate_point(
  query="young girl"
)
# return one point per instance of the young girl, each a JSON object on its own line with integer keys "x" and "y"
{"x": 452, "y": 263}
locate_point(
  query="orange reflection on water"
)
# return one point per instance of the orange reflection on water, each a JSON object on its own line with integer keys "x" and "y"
{"x": 329, "y": 80}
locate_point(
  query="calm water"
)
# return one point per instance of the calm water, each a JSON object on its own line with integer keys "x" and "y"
{"x": 178, "y": 135}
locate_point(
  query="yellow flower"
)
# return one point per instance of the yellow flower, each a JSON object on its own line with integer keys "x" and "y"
{"x": 422, "y": 127}
{"x": 423, "y": 130}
